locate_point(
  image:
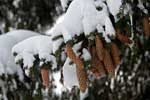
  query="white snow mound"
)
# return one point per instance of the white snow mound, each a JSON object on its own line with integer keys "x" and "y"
{"x": 7, "y": 41}
{"x": 83, "y": 16}
{"x": 38, "y": 45}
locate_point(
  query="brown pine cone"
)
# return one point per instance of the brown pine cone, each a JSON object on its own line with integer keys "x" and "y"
{"x": 108, "y": 63}
{"x": 97, "y": 67}
{"x": 45, "y": 76}
{"x": 70, "y": 53}
{"x": 81, "y": 74}
{"x": 123, "y": 38}
{"x": 146, "y": 26}
{"x": 99, "y": 48}
{"x": 93, "y": 53}
{"x": 115, "y": 54}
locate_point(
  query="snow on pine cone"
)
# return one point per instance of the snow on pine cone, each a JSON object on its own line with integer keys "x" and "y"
{"x": 99, "y": 48}
{"x": 146, "y": 26}
{"x": 81, "y": 72}
{"x": 123, "y": 38}
{"x": 97, "y": 67}
{"x": 108, "y": 63}
{"x": 115, "y": 54}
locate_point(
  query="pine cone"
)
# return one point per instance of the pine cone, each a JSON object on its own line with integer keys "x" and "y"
{"x": 123, "y": 38}
{"x": 81, "y": 74}
{"x": 70, "y": 53}
{"x": 115, "y": 54}
{"x": 99, "y": 48}
{"x": 45, "y": 76}
{"x": 108, "y": 63}
{"x": 146, "y": 26}
{"x": 97, "y": 67}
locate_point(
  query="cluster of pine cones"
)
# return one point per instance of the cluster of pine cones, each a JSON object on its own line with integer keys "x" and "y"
{"x": 102, "y": 62}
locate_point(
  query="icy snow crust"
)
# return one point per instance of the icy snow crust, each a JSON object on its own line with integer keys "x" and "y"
{"x": 38, "y": 45}
{"x": 83, "y": 17}
{"x": 7, "y": 41}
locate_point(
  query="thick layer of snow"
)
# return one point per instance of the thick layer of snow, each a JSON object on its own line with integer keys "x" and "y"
{"x": 7, "y": 41}
{"x": 83, "y": 17}
{"x": 38, "y": 45}
{"x": 21, "y": 34}
{"x": 114, "y": 5}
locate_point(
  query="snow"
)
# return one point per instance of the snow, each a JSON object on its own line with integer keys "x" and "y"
{"x": 7, "y": 41}
{"x": 27, "y": 58}
{"x": 86, "y": 55}
{"x": 112, "y": 84}
{"x": 83, "y": 17}
{"x": 83, "y": 95}
{"x": 70, "y": 76}
{"x": 141, "y": 6}
{"x": 16, "y": 3}
{"x": 45, "y": 93}
{"x": 69, "y": 70}
{"x": 27, "y": 72}
{"x": 22, "y": 34}
{"x": 38, "y": 45}
{"x": 64, "y": 3}
{"x": 59, "y": 87}
{"x": 114, "y": 7}
{"x": 56, "y": 44}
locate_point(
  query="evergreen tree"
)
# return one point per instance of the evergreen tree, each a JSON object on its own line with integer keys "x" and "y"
{"x": 116, "y": 67}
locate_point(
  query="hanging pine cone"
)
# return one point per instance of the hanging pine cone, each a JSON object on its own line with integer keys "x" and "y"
{"x": 115, "y": 54}
{"x": 146, "y": 26}
{"x": 123, "y": 38}
{"x": 45, "y": 76}
{"x": 99, "y": 48}
{"x": 108, "y": 63}
{"x": 81, "y": 72}
{"x": 97, "y": 67}
{"x": 70, "y": 53}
